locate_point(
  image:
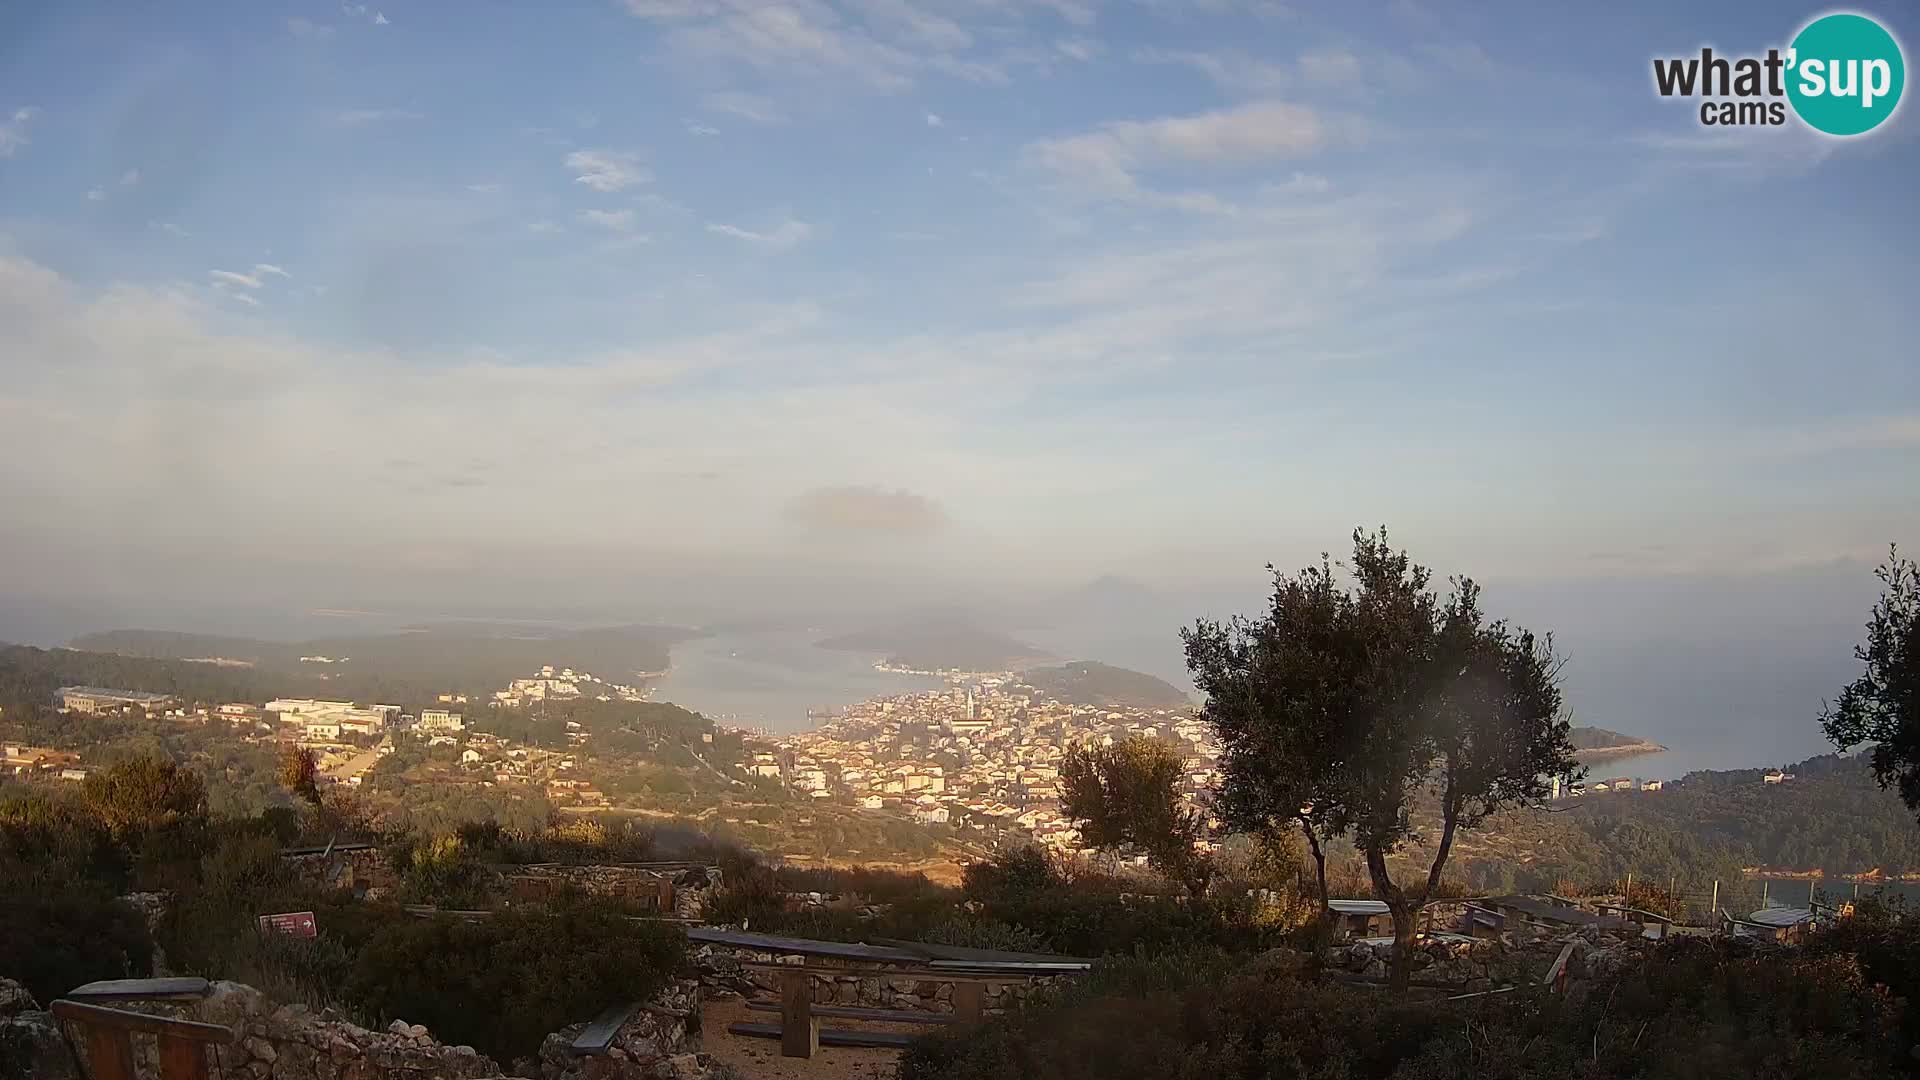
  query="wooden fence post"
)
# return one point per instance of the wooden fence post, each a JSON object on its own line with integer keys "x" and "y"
{"x": 969, "y": 1002}
{"x": 799, "y": 1028}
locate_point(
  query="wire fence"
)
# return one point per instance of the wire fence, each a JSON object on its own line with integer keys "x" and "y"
{"x": 1703, "y": 903}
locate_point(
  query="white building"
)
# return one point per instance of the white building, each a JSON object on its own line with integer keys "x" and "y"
{"x": 440, "y": 720}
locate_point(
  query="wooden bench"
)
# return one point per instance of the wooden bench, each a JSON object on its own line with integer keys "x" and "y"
{"x": 115, "y": 991}
{"x": 108, "y": 1036}
{"x": 890, "y": 1040}
{"x": 852, "y": 1012}
{"x": 799, "y": 1029}
{"x": 597, "y": 1037}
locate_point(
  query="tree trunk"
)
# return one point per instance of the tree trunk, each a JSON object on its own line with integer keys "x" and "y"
{"x": 1319, "y": 866}
{"x": 1401, "y": 971}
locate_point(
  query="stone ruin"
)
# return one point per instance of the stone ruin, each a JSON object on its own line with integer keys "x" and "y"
{"x": 684, "y": 887}
{"x": 1519, "y": 957}
{"x": 293, "y": 1042}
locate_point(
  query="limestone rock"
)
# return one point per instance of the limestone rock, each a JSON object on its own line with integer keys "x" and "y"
{"x": 14, "y": 999}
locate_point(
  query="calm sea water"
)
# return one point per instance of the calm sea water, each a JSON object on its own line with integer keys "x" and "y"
{"x": 772, "y": 679}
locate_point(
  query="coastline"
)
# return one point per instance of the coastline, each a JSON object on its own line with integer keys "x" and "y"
{"x": 1612, "y": 753}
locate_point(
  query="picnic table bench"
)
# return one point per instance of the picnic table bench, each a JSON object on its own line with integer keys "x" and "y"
{"x": 799, "y": 1029}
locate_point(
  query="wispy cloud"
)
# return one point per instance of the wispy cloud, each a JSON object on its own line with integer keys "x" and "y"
{"x": 620, "y": 221}
{"x": 865, "y": 510}
{"x": 1230, "y": 70}
{"x": 301, "y": 27}
{"x": 1078, "y": 48}
{"x": 754, "y": 107}
{"x": 694, "y": 127}
{"x": 169, "y": 228}
{"x": 97, "y": 195}
{"x": 1109, "y": 160}
{"x": 933, "y": 120}
{"x": 269, "y": 270}
{"x": 13, "y": 133}
{"x": 352, "y": 118}
{"x": 362, "y": 11}
{"x": 130, "y": 178}
{"x": 788, "y": 234}
{"x": 233, "y": 277}
{"x": 607, "y": 170}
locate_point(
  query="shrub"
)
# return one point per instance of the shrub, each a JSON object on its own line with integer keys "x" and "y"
{"x": 501, "y": 984}
{"x": 1713, "y": 1009}
{"x": 52, "y": 943}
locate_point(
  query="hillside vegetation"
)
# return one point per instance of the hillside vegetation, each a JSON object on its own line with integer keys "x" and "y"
{"x": 1598, "y": 738}
{"x": 1086, "y": 682}
{"x": 436, "y": 658}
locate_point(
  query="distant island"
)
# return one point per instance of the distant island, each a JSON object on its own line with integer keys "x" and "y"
{"x": 1087, "y": 682}
{"x": 940, "y": 645}
{"x": 445, "y": 656}
{"x": 1595, "y": 744}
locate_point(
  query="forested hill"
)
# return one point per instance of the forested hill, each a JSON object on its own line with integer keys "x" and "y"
{"x": 433, "y": 658}
{"x": 1598, "y": 738}
{"x": 1831, "y": 817}
{"x": 1086, "y": 682}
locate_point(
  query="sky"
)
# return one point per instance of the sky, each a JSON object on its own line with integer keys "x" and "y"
{"x": 682, "y": 305}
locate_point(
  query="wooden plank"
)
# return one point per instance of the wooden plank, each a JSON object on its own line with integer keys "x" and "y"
{"x": 800, "y": 1029}
{"x": 921, "y": 973}
{"x": 182, "y": 1059}
{"x": 1557, "y": 974}
{"x": 99, "y": 1016}
{"x": 597, "y": 1036}
{"x": 887, "y": 1040}
{"x": 969, "y": 1002}
{"x": 139, "y": 990}
{"x": 775, "y": 943}
{"x": 851, "y": 1012}
{"x": 109, "y": 1053}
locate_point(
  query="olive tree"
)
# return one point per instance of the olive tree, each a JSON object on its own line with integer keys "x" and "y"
{"x": 1373, "y": 706}
{"x": 1127, "y": 795}
{"x": 1882, "y": 706}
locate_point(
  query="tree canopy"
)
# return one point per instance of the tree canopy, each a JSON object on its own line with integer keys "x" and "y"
{"x": 1882, "y": 706}
{"x": 1347, "y": 700}
{"x": 1126, "y": 795}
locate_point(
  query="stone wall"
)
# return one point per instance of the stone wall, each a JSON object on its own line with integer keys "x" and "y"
{"x": 292, "y": 1042}
{"x": 660, "y": 1042}
{"x": 721, "y": 971}
{"x": 30, "y": 1044}
{"x": 689, "y": 884}
{"x": 363, "y": 870}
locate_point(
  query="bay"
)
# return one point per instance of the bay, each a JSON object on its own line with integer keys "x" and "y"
{"x": 772, "y": 679}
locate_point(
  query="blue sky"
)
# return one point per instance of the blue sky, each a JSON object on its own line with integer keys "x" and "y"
{"x": 1004, "y": 291}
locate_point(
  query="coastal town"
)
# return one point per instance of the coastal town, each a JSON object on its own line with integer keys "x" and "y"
{"x": 980, "y": 756}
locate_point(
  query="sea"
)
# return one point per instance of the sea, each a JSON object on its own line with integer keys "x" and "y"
{"x": 777, "y": 680}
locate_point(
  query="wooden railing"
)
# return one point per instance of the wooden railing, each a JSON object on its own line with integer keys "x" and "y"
{"x": 108, "y": 1034}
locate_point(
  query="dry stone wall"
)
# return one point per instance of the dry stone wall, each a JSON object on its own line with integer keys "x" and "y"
{"x": 292, "y": 1042}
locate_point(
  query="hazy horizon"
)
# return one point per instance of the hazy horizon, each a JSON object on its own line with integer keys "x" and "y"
{"x": 712, "y": 310}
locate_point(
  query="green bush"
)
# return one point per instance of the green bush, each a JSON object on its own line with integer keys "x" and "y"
{"x": 501, "y": 984}
{"x": 1712, "y": 1009}
{"x": 53, "y": 942}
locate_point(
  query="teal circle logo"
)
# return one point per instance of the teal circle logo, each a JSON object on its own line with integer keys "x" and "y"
{"x": 1845, "y": 74}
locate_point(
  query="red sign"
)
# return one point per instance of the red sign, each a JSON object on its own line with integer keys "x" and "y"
{"x": 294, "y": 924}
